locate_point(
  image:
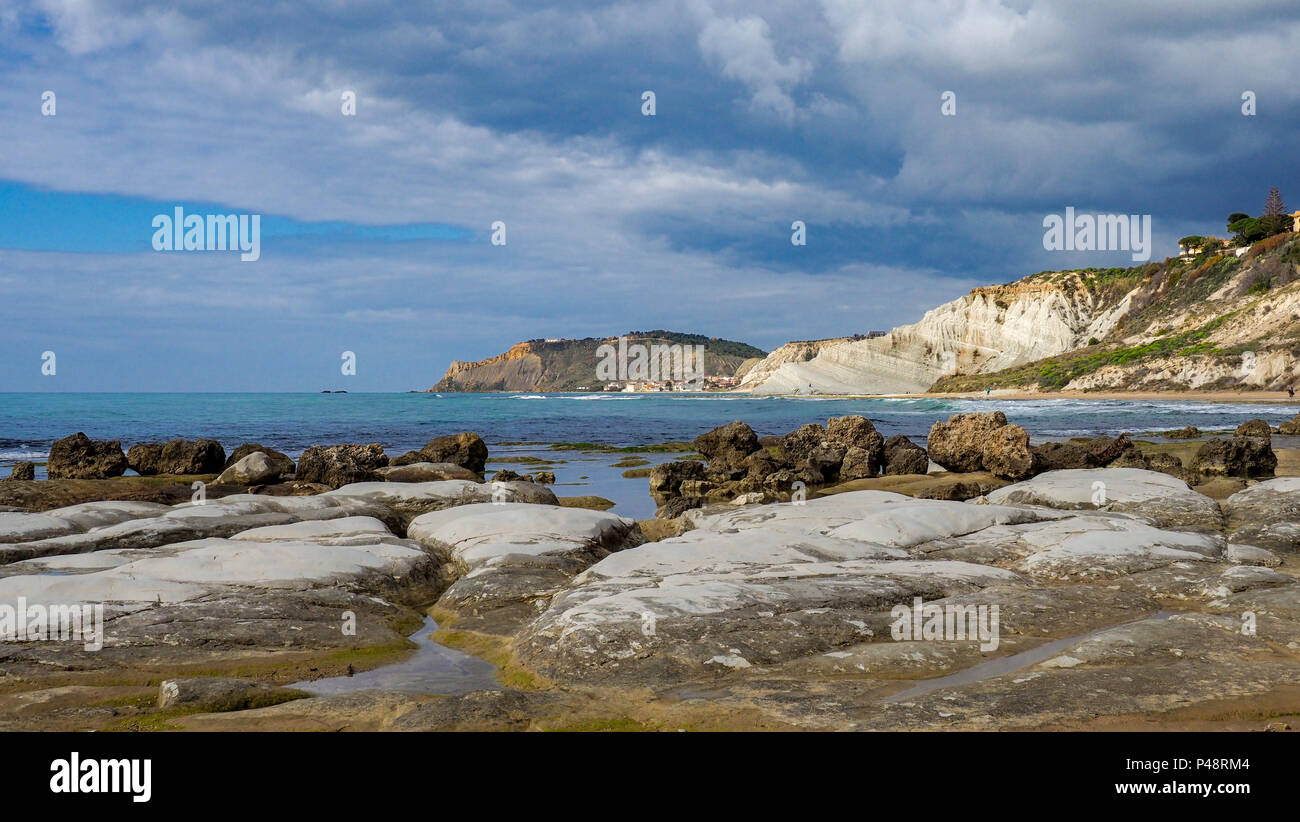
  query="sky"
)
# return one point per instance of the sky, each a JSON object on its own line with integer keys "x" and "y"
{"x": 377, "y": 228}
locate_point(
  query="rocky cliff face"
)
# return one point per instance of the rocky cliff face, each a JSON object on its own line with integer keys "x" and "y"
{"x": 571, "y": 365}
{"x": 987, "y": 330}
{"x": 1214, "y": 321}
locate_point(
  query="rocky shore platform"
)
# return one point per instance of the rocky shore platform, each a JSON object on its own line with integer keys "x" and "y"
{"x": 1118, "y": 585}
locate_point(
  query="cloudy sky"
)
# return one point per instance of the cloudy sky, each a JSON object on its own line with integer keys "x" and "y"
{"x": 376, "y": 228}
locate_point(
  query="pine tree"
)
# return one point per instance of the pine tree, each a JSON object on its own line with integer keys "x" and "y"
{"x": 1275, "y": 218}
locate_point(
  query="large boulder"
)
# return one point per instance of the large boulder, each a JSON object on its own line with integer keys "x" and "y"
{"x": 144, "y": 457}
{"x": 668, "y": 477}
{"x": 726, "y": 446}
{"x": 1255, "y": 428}
{"x": 1266, "y": 514}
{"x": 799, "y": 443}
{"x": 1237, "y": 457}
{"x": 286, "y": 464}
{"x": 859, "y": 463}
{"x": 1291, "y": 427}
{"x": 856, "y": 432}
{"x": 902, "y": 456}
{"x": 958, "y": 444}
{"x": 80, "y": 457}
{"x": 465, "y": 449}
{"x": 255, "y": 469}
{"x": 339, "y": 465}
{"x": 201, "y": 456}
{"x": 23, "y": 471}
{"x": 1007, "y": 453}
{"x": 1168, "y": 501}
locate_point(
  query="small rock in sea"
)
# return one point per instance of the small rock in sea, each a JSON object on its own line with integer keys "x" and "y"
{"x": 23, "y": 471}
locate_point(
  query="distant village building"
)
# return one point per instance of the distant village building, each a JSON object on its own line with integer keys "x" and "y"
{"x": 1295, "y": 221}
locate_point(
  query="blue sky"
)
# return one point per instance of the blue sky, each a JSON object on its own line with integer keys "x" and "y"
{"x": 376, "y": 228}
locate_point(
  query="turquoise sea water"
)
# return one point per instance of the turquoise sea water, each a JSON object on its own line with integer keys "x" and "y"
{"x": 401, "y": 422}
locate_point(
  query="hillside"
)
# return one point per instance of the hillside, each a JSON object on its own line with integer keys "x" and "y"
{"x": 571, "y": 365}
{"x": 1211, "y": 321}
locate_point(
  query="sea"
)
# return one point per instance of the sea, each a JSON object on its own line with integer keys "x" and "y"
{"x": 522, "y": 428}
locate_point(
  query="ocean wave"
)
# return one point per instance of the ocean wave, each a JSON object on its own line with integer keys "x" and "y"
{"x": 528, "y": 397}
{"x": 23, "y": 455}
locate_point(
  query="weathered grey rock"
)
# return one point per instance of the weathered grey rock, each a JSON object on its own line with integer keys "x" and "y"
{"x": 338, "y": 465}
{"x": 23, "y": 471}
{"x": 509, "y": 559}
{"x": 28, "y": 527}
{"x": 958, "y": 444}
{"x": 1237, "y": 457}
{"x": 1252, "y": 555}
{"x": 1007, "y": 453}
{"x": 410, "y": 499}
{"x": 286, "y": 464}
{"x": 79, "y": 457}
{"x": 1266, "y": 514}
{"x": 426, "y": 472}
{"x": 149, "y": 525}
{"x": 216, "y": 693}
{"x": 902, "y": 456}
{"x": 753, "y": 587}
{"x": 255, "y": 469}
{"x": 1245, "y": 578}
{"x": 1166, "y": 500}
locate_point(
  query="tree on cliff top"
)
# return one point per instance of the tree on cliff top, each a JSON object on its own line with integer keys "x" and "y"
{"x": 1275, "y": 219}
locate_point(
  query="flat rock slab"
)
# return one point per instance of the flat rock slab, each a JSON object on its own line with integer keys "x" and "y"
{"x": 215, "y": 518}
{"x": 411, "y": 499}
{"x": 74, "y": 519}
{"x": 1266, "y": 515}
{"x": 510, "y": 558}
{"x": 190, "y": 570}
{"x": 1167, "y": 501}
{"x": 738, "y": 593}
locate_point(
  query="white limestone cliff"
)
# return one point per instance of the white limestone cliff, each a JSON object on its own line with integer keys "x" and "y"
{"x": 991, "y": 328}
